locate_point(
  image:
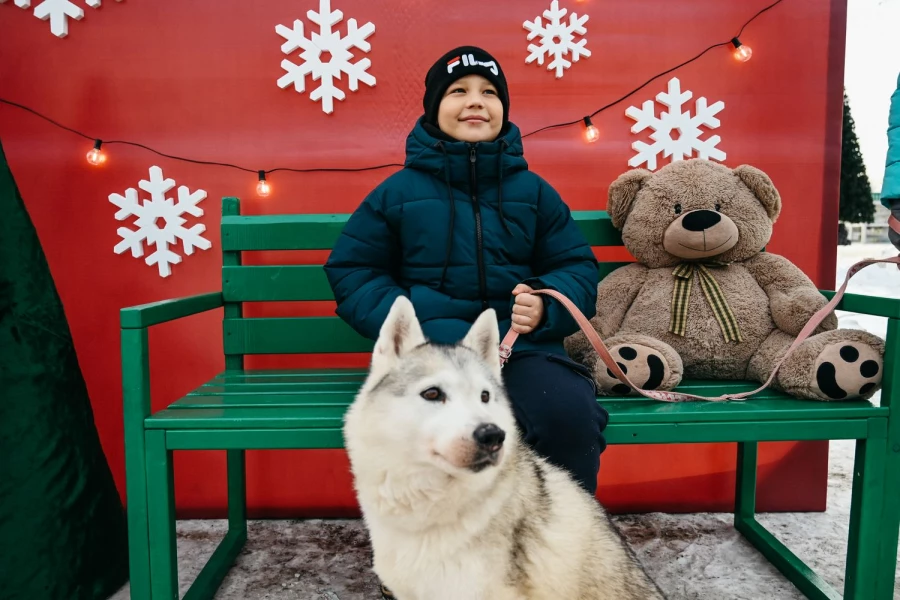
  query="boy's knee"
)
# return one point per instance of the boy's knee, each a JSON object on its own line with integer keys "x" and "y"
{"x": 574, "y": 421}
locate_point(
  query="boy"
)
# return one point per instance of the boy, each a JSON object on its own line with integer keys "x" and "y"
{"x": 463, "y": 227}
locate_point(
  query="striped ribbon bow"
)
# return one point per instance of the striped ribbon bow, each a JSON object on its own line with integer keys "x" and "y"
{"x": 684, "y": 274}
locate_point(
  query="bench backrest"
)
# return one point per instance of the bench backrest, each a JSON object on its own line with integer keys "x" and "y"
{"x": 307, "y": 282}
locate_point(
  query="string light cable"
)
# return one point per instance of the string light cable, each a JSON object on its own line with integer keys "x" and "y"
{"x": 97, "y": 157}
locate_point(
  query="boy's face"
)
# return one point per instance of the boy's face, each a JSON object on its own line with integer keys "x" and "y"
{"x": 470, "y": 110}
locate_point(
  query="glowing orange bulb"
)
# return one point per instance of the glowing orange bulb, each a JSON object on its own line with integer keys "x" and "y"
{"x": 591, "y": 133}
{"x": 263, "y": 189}
{"x": 741, "y": 52}
{"x": 96, "y": 156}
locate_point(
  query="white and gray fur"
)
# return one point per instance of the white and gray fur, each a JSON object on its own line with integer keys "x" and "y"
{"x": 451, "y": 517}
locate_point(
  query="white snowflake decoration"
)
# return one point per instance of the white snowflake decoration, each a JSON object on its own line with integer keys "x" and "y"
{"x": 58, "y": 12}
{"x": 339, "y": 49}
{"x": 557, "y": 39}
{"x": 687, "y": 139}
{"x": 159, "y": 221}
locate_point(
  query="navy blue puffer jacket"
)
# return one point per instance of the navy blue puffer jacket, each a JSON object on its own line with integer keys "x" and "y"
{"x": 455, "y": 231}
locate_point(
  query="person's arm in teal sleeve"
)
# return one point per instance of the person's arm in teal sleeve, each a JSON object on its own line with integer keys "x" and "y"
{"x": 890, "y": 189}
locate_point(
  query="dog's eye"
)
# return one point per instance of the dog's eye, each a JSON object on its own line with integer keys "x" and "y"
{"x": 718, "y": 207}
{"x": 677, "y": 209}
{"x": 485, "y": 397}
{"x": 434, "y": 395}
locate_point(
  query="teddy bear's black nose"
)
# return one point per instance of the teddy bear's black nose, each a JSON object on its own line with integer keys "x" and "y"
{"x": 700, "y": 220}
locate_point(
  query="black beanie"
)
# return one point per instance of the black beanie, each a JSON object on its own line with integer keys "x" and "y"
{"x": 459, "y": 62}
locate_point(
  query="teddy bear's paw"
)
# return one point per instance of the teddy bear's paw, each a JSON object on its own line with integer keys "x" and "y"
{"x": 644, "y": 366}
{"x": 847, "y": 369}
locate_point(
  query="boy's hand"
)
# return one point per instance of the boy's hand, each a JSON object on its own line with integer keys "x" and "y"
{"x": 528, "y": 309}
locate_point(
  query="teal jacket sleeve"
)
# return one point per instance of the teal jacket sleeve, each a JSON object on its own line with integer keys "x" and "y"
{"x": 360, "y": 268}
{"x": 563, "y": 261}
{"x": 890, "y": 189}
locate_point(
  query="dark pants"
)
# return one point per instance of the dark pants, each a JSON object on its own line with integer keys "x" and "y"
{"x": 556, "y": 409}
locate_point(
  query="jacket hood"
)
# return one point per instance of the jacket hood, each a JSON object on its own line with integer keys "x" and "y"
{"x": 450, "y": 160}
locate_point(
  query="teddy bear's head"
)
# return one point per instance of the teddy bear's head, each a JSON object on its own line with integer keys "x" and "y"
{"x": 692, "y": 210}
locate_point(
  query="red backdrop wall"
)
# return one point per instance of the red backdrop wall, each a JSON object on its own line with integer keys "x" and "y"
{"x": 197, "y": 79}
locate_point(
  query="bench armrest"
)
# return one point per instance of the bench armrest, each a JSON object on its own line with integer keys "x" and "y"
{"x": 867, "y": 305}
{"x": 154, "y": 313}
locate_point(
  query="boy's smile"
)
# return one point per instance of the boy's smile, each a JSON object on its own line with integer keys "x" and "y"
{"x": 470, "y": 110}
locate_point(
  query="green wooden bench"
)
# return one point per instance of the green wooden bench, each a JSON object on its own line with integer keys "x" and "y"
{"x": 240, "y": 409}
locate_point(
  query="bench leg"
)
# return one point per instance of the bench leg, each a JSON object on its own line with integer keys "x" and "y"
{"x": 745, "y": 486}
{"x": 797, "y": 572}
{"x": 890, "y": 525}
{"x": 136, "y": 407}
{"x": 161, "y": 516}
{"x": 215, "y": 570}
{"x": 237, "y": 492}
{"x": 136, "y": 512}
{"x": 866, "y": 521}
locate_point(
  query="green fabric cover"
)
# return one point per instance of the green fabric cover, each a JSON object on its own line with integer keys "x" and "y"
{"x": 62, "y": 524}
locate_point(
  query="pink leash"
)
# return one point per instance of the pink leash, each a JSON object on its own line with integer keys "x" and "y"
{"x": 665, "y": 396}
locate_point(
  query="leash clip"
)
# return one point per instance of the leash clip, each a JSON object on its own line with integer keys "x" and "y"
{"x": 505, "y": 353}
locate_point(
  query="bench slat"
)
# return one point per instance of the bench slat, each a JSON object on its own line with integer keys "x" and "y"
{"x": 285, "y": 283}
{"x": 320, "y": 231}
{"x": 240, "y": 375}
{"x": 263, "y": 407}
{"x": 332, "y": 437}
{"x": 281, "y": 232}
{"x": 228, "y": 389}
{"x": 309, "y": 335}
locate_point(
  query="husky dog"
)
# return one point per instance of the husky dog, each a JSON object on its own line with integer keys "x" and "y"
{"x": 455, "y": 504}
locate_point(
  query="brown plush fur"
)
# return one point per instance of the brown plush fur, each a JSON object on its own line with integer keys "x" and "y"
{"x": 700, "y": 210}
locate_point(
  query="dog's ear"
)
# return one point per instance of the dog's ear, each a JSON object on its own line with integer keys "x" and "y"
{"x": 484, "y": 339}
{"x": 399, "y": 333}
{"x": 622, "y": 193}
{"x": 762, "y": 187}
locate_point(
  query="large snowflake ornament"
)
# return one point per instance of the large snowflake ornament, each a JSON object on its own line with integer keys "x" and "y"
{"x": 159, "y": 221}
{"x": 326, "y": 55}
{"x": 58, "y": 12}
{"x": 675, "y": 133}
{"x": 557, "y": 39}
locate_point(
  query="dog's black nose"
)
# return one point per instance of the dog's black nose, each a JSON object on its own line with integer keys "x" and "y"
{"x": 700, "y": 220}
{"x": 489, "y": 436}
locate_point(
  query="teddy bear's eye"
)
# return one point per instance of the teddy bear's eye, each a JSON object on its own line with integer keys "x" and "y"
{"x": 718, "y": 207}
{"x": 677, "y": 209}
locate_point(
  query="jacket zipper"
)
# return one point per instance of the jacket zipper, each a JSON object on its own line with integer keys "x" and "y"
{"x": 479, "y": 240}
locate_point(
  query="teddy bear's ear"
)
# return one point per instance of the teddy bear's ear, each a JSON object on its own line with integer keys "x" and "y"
{"x": 622, "y": 193}
{"x": 762, "y": 187}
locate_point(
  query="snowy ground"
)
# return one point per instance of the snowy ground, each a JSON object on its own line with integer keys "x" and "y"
{"x": 692, "y": 557}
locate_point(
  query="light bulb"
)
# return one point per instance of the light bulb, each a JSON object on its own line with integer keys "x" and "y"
{"x": 96, "y": 156}
{"x": 591, "y": 133}
{"x": 741, "y": 52}
{"x": 263, "y": 188}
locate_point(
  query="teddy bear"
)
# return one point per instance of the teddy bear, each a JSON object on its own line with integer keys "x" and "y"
{"x": 706, "y": 301}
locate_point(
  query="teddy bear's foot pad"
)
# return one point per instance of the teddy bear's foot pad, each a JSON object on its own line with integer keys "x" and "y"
{"x": 847, "y": 370}
{"x": 644, "y": 366}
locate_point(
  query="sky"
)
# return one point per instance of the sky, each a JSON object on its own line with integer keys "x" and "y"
{"x": 870, "y": 76}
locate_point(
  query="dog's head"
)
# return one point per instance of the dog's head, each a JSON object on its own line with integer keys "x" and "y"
{"x": 694, "y": 209}
{"x": 428, "y": 406}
